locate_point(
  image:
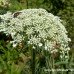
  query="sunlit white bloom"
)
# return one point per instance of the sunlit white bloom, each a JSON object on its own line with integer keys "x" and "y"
{"x": 40, "y": 44}
{"x": 41, "y": 28}
{"x": 43, "y": 34}
{"x": 69, "y": 39}
{"x": 61, "y": 56}
{"x": 7, "y": 16}
{"x": 46, "y": 48}
{"x": 66, "y": 57}
{"x": 29, "y": 31}
{"x": 68, "y": 48}
{"x": 34, "y": 40}
{"x": 33, "y": 47}
{"x": 12, "y": 34}
{"x": 54, "y": 51}
{"x": 14, "y": 45}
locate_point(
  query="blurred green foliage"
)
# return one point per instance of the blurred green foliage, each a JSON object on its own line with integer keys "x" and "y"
{"x": 11, "y": 60}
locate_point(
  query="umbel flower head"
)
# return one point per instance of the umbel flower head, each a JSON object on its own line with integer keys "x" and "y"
{"x": 41, "y": 28}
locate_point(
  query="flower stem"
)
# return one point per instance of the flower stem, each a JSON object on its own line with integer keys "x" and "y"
{"x": 33, "y": 61}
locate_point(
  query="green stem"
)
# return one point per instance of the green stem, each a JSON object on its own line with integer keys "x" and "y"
{"x": 27, "y": 4}
{"x": 53, "y": 61}
{"x": 33, "y": 61}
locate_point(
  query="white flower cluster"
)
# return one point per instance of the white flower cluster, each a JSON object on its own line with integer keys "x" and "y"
{"x": 43, "y": 29}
